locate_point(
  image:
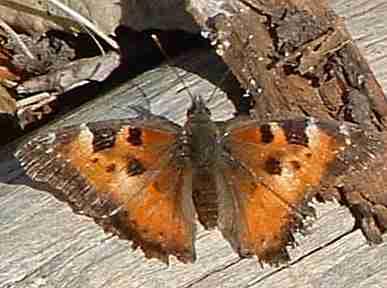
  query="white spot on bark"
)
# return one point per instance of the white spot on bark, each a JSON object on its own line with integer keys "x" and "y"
{"x": 226, "y": 44}
{"x": 219, "y": 50}
{"x": 205, "y": 34}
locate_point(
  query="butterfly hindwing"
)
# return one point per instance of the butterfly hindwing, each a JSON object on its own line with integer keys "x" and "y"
{"x": 123, "y": 173}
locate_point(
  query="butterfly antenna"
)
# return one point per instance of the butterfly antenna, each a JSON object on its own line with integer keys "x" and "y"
{"x": 224, "y": 77}
{"x": 179, "y": 77}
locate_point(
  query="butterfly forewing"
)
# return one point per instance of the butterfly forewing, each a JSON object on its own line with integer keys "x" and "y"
{"x": 123, "y": 173}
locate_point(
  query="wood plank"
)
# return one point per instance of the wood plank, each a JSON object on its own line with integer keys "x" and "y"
{"x": 43, "y": 244}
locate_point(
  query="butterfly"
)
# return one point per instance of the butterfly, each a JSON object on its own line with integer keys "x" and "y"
{"x": 149, "y": 180}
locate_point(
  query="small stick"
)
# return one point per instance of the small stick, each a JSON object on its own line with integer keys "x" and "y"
{"x": 39, "y": 98}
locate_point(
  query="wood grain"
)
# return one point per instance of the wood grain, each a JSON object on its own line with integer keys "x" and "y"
{"x": 43, "y": 244}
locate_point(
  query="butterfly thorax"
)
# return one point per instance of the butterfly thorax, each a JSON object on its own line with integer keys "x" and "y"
{"x": 203, "y": 133}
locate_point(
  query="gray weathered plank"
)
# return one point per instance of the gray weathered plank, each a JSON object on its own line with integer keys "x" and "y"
{"x": 43, "y": 244}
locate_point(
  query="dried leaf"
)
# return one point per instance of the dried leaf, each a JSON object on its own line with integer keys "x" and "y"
{"x": 29, "y": 15}
{"x": 41, "y": 16}
{"x": 73, "y": 74}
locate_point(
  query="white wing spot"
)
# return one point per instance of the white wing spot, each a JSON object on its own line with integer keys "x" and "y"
{"x": 312, "y": 131}
{"x": 85, "y": 138}
{"x": 49, "y": 150}
{"x": 343, "y": 129}
{"x": 50, "y": 138}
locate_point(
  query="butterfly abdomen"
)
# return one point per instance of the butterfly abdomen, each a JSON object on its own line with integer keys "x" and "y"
{"x": 204, "y": 151}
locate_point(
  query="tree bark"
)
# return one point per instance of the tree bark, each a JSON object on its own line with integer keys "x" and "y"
{"x": 295, "y": 58}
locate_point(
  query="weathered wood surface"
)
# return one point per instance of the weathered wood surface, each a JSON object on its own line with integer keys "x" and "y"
{"x": 43, "y": 244}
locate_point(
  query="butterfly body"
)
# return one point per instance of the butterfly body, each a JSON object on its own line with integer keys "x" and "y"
{"x": 147, "y": 179}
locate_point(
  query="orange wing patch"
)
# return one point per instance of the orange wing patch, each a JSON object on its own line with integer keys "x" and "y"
{"x": 272, "y": 183}
{"x": 105, "y": 168}
{"x": 164, "y": 216}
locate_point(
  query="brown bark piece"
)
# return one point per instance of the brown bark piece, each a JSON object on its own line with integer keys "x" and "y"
{"x": 296, "y": 58}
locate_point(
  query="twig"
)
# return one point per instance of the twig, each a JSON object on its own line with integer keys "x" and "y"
{"x": 34, "y": 108}
{"x": 42, "y": 97}
{"x": 95, "y": 40}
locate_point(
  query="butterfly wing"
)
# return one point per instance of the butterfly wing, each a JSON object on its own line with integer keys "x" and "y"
{"x": 124, "y": 174}
{"x": 269, "y": 172}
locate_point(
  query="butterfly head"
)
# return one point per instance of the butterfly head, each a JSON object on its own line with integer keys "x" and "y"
{"x": 198, "y": 109}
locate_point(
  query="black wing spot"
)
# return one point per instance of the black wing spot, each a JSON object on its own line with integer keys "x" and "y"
{"x": 135, "y": 167}
{"x": 296, "y": 165}
{"x": 103, "y": 137}
{"x": 135, "y": 136}
{"x": 110, "y": 168}
{"x": 273, "y": 166}
{"x": 94, "y": 160}
{"x": 295, "y": 132}
{"x": 267, "y": 134}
